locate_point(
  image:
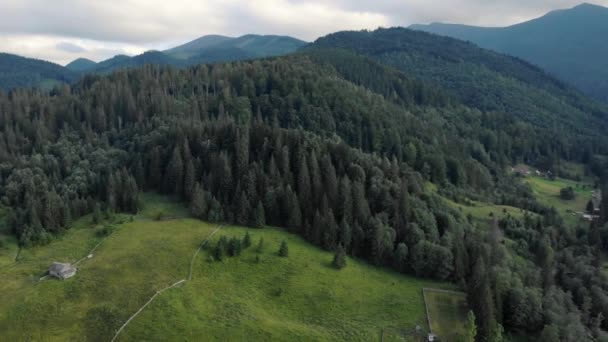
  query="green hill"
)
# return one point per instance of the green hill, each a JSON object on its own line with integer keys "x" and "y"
{"x": 81, "y": 64}
{"x": 567, "y": 43}
{"x": 247, "y": 46}
{"x": 299, "y": 297}
{"x": 479, "y": 78}
{"x": 21, "y": 72}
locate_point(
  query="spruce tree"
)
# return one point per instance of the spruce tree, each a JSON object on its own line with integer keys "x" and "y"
{"x": 260, "y": 246}
{"x": 259, "y": 216}
{"x": 246, "y": 241}
{"x": 339, "y": 261}
{"x": 198, "y": 206}
{"x": 284, "y": 249}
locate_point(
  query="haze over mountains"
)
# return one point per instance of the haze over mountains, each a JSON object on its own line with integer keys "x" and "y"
{"x": 570, "y": 43}
{"x": 17, "y": 71}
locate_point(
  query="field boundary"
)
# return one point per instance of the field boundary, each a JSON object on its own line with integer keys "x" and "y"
{"x": 168, "y": 287}
{"x": 426, "y": 306}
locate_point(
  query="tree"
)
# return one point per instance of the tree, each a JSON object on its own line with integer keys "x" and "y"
{"x": 470, "y": 328}
{"x": 567, "y": 193}
{"x": 259, "y": 217}
{"x": 260, "y": 246}
{"x": 198, "y": 207}
{"x": 234, "y": 247}
{"x": 401, "y": 257}
{"x": 246, "y": 241}
{"x": 284, "y": 249}
{"x": 590, "y": 208}
{"x": 339, "y": 261}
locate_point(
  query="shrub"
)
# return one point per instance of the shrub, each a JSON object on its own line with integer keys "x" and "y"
{"x": 284, "y": 249}
{"x": 567, "y": 193}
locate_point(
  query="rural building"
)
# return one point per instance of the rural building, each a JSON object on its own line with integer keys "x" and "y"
{"x": 62, "y": 271}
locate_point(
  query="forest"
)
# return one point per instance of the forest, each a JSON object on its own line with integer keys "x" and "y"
{"x": 339, "y": 149}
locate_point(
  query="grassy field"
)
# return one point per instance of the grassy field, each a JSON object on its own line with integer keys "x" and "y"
{"x": 296, "y": 298}
{"x": 547, "y": 192}
{"x": 447, "y": 311}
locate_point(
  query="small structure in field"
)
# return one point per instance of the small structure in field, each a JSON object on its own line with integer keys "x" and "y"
{"x": 62, "y": 271}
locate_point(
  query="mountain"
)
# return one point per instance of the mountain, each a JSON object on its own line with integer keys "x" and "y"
{"x": 81, "y": 64}
{"x": 570, "y": 44}
{"x": 21, "y": 72}
{"x": 379, "y": 144}
{"x": 207, "y": 49}
{"x": 479, "y": 78}
{"x": 196, "y": 46}
{"x": 250, "y": 45}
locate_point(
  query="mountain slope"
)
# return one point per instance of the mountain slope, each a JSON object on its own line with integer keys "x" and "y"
{"x": 194, "y": 47}
{"x": 479, "y": 78}
{"x": 81, "y": 64}
{"x": 249, "y": 45}
{"x": 568, "y": 43}
{"x": 21, "y": 72}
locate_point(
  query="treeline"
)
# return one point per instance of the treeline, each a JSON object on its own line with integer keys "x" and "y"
{"x": 289, "y": 142}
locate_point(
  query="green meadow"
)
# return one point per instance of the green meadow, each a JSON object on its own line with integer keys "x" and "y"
{"x": 257, "y": 296}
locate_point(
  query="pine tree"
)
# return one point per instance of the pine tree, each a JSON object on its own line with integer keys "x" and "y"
{"x": 260, "y": 246}
{"x": 470, "y": 328}
{"x": 189, "y": 180}
{"x": 246, "y": 241}
{"x": 174, "y": 181}
{"x": 284, "y": 249}
{"x": 259, "y": 217}
{"x": 97, "y": 213}
{"x": 339, "y": 261}
{"x": 198, "y": 206}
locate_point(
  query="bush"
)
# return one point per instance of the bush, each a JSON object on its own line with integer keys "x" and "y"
{"x": 339, "y": 259}
{"x": 567, "y": 193}
{"x": 159, "y": 215}
{"x": 284, "y": 249}
{"x": 106, "y": 230}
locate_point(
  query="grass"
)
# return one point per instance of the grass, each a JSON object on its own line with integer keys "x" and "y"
{"x": 296, "y": 298}
{"x": 448, "y": 313}
{"x": 547, "y": 192}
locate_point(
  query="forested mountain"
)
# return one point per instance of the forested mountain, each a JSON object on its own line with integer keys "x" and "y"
{"x": 250, "y": 46}
{"x": 479, "y": 78}
{"x": 340, "y": 143}
{"x": 335, "y": 147}
{"x": 570, "y": 44}
{"x": 81, "y": 64}
{"x": 16, "y": 71}
{"x": 207, "y": 49}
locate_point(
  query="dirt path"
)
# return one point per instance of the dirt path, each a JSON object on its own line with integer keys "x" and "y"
{"x": 168, "y": 287}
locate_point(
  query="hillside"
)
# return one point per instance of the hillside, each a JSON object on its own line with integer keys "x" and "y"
{"x": 81, "y": 64}
{"x": 249, "y": 46}
{"x": 478, "y": 78}
{"x": 298, "y": 297}
{"x": 568, "y": 43}
{"x": 21, "y": 72}
{"x": 341, "y": 150}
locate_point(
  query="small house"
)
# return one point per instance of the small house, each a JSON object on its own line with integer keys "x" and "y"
{"x": 62, "y": 271}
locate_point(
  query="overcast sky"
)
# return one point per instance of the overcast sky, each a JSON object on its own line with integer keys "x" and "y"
{"x": 62, "y": 30}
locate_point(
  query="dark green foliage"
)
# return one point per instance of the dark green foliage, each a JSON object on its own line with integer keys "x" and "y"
{"x": 567, "y": 43}
{"x": 567, "y": 193}
{"x": 260, "y": 247}
{"x": 246, "y": 241}
{"x": 284, "y": 249}
{"x": 590, "y": 208}
{"x": 220, "y": 249}
{"x": 234, "y": 247}
{"x": 339, "y": 261}
{"x": 21, "y": 72}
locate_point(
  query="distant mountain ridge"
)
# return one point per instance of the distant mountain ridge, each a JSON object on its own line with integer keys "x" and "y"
{"x": 571, "y": 44}
{"x": 21, "y": 72}
{"x": 206, "y": 49}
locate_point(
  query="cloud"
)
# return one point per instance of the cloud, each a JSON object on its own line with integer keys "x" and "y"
{"x": 67, "y": 29}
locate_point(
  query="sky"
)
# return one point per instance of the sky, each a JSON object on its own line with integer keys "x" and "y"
{"x": 63, "y": 30}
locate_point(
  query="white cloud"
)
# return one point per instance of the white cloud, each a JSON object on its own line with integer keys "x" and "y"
{"x": 39, "y": 28}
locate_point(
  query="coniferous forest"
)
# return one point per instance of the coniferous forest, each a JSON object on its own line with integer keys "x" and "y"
{"x": 340, "y": 146}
